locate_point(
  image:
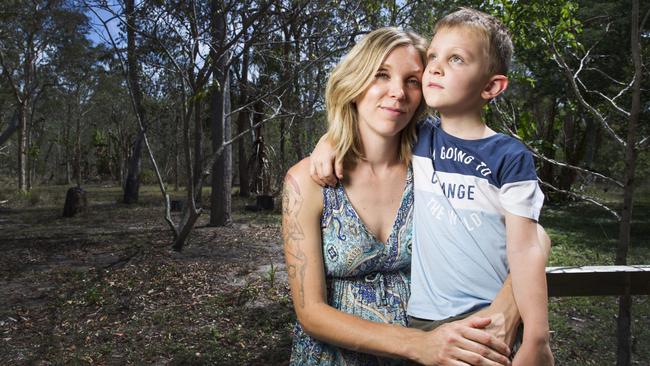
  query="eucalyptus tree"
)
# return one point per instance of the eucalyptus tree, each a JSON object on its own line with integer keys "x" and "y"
{"x": 31, "y": 34}
{"x": 619, "y": 116}
{"x": 601, "y": 91}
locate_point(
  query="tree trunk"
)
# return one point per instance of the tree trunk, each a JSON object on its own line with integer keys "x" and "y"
{"x": 592, "y": 130}
{"x": 198, "y": 150}
{"x": 132, "y": 183}
{"x": 244, "y": 179}
{"x": 77, "y": 152}
{"x": 544, "y": 110}
{"x": 242, "y": 124}
{"x": 572, "y": 152}
{"x": 624, "y": 346}
{"x": 22, "y": 148}
{"x": 30, "y": 157}
{"x": 13, "y": 126}
{"x": 176, "y": 155}
{"x": 220, "y": 104}
{"x": 222, "y": 169}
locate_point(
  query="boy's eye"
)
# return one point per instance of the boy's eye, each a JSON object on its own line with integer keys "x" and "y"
{"x": 455, "y": 59}
{"x": 432, "y": 57}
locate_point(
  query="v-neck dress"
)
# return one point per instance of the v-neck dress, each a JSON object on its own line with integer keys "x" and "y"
{"x": 365, "y": 277}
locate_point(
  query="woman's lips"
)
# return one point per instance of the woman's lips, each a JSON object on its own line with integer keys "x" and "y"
{"x": 395, "y": 111}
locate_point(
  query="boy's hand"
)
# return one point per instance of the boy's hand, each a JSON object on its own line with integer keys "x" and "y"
{"x": 504, "y": 315}
{"x": 534, "y": 354}
{"x": 322, "y": 164}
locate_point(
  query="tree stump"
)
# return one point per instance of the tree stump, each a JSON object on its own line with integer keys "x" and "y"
{"x": 265, "y": 202}
{"x": 262, "y": 203}
{"x": 176, "y": 205}
{"x": 75, "y": 201}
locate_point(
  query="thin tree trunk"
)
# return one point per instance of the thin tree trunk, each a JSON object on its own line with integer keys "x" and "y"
{"x": 30, "y": 158}
{"x": 220, "y": 103}
{"x": 198, "y": 148}
{"x": 77, "y": 152}
{"x": 624, "y": 346}
{"x": 242, "y": 125}
{"x": 132, "y": 184}
{"x": 176, "y": 155}
{"x": 190, "y": 212}
{"x": 544, "y": 111}
{"x": 222, "y": 169}
{"x": 244, "y": 179}
{"x": 22, "y": 148}
{"x": 14, "y": 125}
{"x": 66, "y": 139}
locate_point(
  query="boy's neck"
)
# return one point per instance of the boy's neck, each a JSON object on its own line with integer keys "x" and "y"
{"x": 466, "y": 127}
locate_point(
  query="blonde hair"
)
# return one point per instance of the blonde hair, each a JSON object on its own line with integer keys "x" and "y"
{"x": 351, "y": 77}
{"x": 497, "y": 43}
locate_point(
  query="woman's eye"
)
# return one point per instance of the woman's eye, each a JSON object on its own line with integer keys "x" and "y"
{"x": 381, "y": 75}
{"x": 414, "y": 82}
{"x": 432, "y": 57}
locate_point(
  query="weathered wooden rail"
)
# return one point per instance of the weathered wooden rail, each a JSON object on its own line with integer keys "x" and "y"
{"x": 598, "y": 280}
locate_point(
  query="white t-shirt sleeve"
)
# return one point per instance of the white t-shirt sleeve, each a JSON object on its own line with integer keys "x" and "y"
{"x": 520, "y": 193}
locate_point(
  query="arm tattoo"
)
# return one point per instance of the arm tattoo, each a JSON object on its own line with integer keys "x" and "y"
{"x": 293, "y": 235}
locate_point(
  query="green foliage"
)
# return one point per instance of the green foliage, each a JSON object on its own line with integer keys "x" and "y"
{"x": 100, "y": 137}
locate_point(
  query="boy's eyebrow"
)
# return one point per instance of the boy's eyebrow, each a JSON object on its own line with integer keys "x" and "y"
{"x": 454, "y": 50}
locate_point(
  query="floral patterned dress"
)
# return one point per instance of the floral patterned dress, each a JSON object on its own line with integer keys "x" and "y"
{"x": 365, "y": 277}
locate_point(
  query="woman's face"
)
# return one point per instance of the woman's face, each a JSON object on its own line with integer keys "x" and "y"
{"x": 388, "y": 104}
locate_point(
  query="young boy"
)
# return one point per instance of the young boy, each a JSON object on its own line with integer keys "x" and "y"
{"x": 477, "y": 200}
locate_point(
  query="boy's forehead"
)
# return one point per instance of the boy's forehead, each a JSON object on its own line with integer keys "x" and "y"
{"x": 461, "y": 36}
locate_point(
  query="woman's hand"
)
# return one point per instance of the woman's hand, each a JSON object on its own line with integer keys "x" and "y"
{"x": 463, "y": 342}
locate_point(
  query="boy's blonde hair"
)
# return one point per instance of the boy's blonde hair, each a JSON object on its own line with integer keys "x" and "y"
{"x": 351, "y": 77}
{"x": 498, "y": 45}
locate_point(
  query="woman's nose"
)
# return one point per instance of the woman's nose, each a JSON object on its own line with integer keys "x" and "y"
{"x": 397, "y": 90}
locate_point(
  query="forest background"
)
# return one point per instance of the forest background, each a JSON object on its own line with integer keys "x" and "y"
{"x": 178, "y": 119}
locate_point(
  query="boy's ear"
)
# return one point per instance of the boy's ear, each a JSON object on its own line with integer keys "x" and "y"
{"x": 495, "y": 86}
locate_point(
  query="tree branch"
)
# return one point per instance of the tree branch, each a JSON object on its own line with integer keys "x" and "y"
{"x": 541, "y": 156}
{"x": 11, "y": 128}
{"x": 557, "y": 57}
{"x": 584, "y": 198}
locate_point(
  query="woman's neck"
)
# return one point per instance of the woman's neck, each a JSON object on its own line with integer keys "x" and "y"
{"x": 380, "y": 152}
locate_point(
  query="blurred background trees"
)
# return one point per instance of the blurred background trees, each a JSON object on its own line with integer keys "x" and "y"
{"x": 94, "y": 91}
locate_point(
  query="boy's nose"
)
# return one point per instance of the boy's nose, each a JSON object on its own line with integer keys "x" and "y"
{"x": 434, "y": 68}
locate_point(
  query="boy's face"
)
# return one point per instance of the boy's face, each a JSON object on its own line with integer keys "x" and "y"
{"x": 456, "y": 71}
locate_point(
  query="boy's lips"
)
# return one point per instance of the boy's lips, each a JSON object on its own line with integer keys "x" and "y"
{"x": 434, "y": 85}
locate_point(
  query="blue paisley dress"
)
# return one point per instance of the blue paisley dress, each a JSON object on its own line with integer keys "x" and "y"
{"x": 364, "y": 276}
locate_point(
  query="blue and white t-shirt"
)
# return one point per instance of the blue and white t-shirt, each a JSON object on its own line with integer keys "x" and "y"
{"x": 459, "y": 255}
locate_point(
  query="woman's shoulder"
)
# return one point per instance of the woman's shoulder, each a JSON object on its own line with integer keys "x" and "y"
{"x": 298, "y": 181}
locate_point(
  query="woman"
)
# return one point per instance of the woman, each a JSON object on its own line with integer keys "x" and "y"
{"x": 348, "y": 248}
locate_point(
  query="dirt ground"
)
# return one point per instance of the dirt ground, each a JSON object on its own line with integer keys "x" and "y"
{"x": 104, "y": 288}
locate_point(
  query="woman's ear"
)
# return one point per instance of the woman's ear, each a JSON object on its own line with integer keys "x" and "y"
{"x": 495, "y": 86}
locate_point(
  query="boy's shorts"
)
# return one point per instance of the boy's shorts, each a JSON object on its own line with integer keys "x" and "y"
{"x": 426, "y": 325}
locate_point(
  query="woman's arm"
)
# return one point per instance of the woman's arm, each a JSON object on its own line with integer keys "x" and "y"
{"x": 460, "y": 341}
